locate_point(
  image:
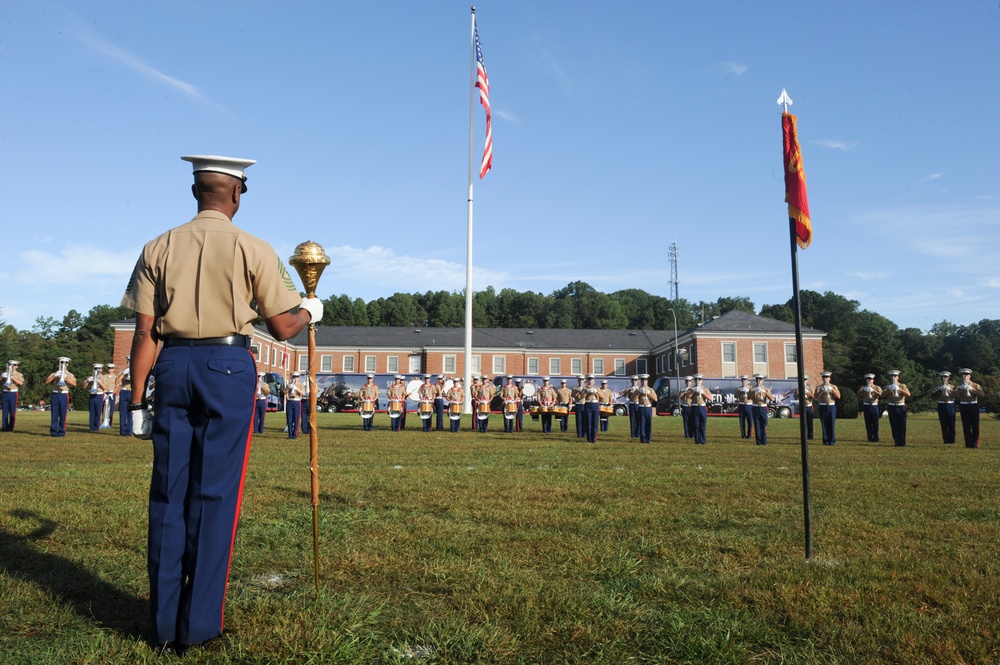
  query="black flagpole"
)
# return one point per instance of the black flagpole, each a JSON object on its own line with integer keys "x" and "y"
{"x": 800, "y": 370}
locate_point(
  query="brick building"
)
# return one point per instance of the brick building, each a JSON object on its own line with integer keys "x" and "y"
{"x": 733, "y": 344}
{"x": 739, "y": 343}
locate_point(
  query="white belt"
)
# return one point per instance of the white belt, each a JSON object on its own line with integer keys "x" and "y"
{"x": 294, "y": 399}
{"x": 941, "y": 401}
{"x": 969, "y": 402}
{"x": 10, "y": 390}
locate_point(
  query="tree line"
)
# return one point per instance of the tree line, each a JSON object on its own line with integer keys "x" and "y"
{"x": 858, "y": 341}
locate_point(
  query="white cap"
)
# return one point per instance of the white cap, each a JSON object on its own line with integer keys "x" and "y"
{"x": 98, "y": 365}
{"x": 63, "y": 359}
{"x": 110, "y": 365}
{"x": 893, "y": 372}
{"x": 370, "y": 376}
{"x": 545, "y": 378}
{"x": 296, "y": 374}
{"x": 14, "y": 362}
{"x": 229, "y": 165}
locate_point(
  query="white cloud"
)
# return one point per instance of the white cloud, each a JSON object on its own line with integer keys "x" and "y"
{"x": 80, "y": 265}
{"x": 510, "y": 117}
{"x": 374, "y": 271}
{"x": 734, "y": 67}
{"x": 144, "y": 69}
{"x": 836, "y": 144}
{"x": 993, "y": 283}
{"x": 870, "y": 275}
{"x": 933, "y": 177}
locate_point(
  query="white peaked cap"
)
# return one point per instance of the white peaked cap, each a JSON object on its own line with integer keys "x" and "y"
{"x": 229, "y": 165}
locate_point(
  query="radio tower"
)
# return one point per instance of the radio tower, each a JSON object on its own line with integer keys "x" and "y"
{"x": 674, "y": 255}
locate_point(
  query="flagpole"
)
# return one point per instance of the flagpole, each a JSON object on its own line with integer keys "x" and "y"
{"x": 467, "y": 363}
{"x": 785, "y": 101}
{"x": 800, "y": 371}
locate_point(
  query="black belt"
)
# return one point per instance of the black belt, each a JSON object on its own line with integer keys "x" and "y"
{"x": 232, "y": 340}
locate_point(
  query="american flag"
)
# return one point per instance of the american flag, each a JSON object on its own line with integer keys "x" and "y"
{"x": 483, "y": 83}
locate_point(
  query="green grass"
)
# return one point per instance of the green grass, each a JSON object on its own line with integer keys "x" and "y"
{"x": 521, "y": 548}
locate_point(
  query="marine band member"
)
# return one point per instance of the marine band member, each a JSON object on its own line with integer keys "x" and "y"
{"x": 896, "y": 394}
{"x": 564, "y": 399}
{"x": 12, "y": 380}
{"x": 869, "y": 394}
{"x": 968, "y": 394}
{"x": 827, "y": 395}
{"x": 744, "y": 406}
{"x": 368, "y": 398}
{"x": 761, "y": 396}
{"x": 945, "y": 396}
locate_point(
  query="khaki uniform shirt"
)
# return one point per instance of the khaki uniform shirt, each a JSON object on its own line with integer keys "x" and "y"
{"x": 827, "y": 393}
{"x": 943, "y": 393}
{"x": 547, "y": 396}
{"x": 565, "y": 396}
{"x": 368, "y": 392}
{"x": 744, "y": 395}
{"x": 199, "y": 279}
{"x": 68, "y": 378}
{"x": 426, "y": 392}
{"x": 761, "y": 395}
{"x": 869, "y": 394}
{"x": 895, "y": 397}
{"x": 16, "y": 380}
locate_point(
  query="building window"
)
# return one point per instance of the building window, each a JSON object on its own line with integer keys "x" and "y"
{"x": 392, "y": 364}
{"x": 303, "y": 363}
{"x": 499, "y": 365}
{"x": 349, "y": 363}
{"x": 370, "y": 364}
{"x": 790, "y": 355}
{"x": 532, "y": 365}
{"x": 599, "y": 366}
{"x": 670, "y": 361}
{"x": 684, "y": 357}
{"x": 619, "y": 367}
{"x": 326, "y": 363}
{"x": 640, "y": 366}
{"x": 477, "y": 364}
{"x": 576, "y": 366}
{"x": 448, "y": 362}
{"x": 760, "y": 352}
{"x": 414, "y": 365}
{"x": 555, "y": 366}
{"x": 728, "y": 359}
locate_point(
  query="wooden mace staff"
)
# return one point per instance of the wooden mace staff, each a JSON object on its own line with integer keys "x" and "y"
{"x": 309, "y": 261}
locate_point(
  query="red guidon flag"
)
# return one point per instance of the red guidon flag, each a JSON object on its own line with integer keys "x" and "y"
{"x": 795, "y": 182}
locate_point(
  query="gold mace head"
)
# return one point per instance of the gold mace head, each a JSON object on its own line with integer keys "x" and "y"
{"x": 309, "y": 260}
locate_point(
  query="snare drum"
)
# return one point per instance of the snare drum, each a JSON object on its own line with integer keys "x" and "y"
{"x": 482, "y": 410}
{"x": 455, "y": 410}
{"x": 560, "y": 410}
{"x": 535, "y": 410}
{"x": 607, "y": 410}
{"x": 509, "y": 409}
{"x": 395, "y": 408}
{"x": 426, "y": 409}
{"x": 367, "y": 409}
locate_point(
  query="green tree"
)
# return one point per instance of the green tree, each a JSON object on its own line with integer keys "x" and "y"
{"x": 738, "y": 303}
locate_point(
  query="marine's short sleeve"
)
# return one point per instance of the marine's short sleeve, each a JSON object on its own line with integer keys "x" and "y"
{"x": 141, "y": 290}
{"x": 273, "y": 288}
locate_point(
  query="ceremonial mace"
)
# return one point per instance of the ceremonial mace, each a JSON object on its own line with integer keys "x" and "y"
{"x": 309, "y": 261}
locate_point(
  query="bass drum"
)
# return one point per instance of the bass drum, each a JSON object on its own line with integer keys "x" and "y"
{"x": 413, "y": 388}
{"x": 529, "y": 390}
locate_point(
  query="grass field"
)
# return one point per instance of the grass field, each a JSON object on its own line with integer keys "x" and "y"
{"x": 525, "y": 548}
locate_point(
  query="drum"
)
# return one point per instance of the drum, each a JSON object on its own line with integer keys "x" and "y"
{"x": 482, "y": 410}
{"x": 509, "y": 409}
{"x": 545, "y": 409}
{"x": 367, "y": 409}
{"x": 560, "y": 410}
{"x": 413, "y": 389}
{"x": 529, "y": 390}
{"x": 395, "y": 408}
{"x": 535, "y": 410}
{"x": 455, "y": 410}
{"x": 607, "y": 410}
{"x": 426, "y": 409}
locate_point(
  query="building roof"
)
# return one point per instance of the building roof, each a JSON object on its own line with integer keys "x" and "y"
{"x": 735, "y": 321}
{"x": 485, "y": 338}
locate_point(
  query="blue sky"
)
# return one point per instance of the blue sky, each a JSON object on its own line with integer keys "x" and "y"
{"x": 618, "y": 128}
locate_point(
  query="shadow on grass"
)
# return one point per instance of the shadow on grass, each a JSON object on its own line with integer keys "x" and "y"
{"x": 87, "y": 594}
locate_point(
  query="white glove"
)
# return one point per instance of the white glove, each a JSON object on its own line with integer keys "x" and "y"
{"x": 315, "y": 308}
{"x": 142, "y": 424}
